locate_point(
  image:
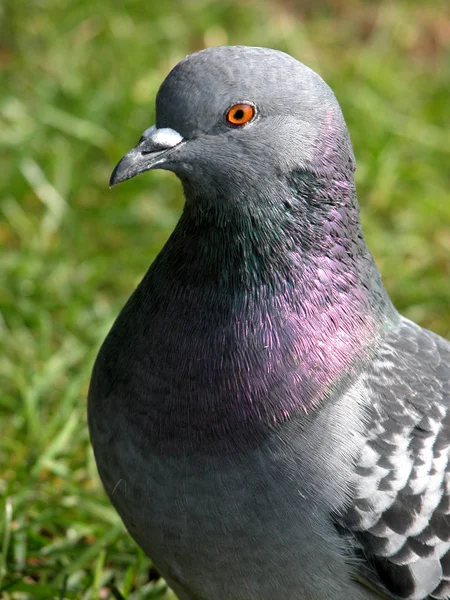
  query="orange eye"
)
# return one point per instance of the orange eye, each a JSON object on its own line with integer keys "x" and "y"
{"x": 240, "y": 114}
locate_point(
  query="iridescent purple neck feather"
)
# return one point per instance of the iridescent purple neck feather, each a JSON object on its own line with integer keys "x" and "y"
{"x": 253, "y": 320}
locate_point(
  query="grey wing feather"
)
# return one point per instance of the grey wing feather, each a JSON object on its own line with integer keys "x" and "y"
{"x": 399, "y": 520}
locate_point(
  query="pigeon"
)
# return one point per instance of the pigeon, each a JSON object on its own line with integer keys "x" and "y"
{"x": 265, "y": 422}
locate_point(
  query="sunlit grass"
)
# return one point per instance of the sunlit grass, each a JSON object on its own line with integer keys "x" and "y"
{"x": 78, "y": 84}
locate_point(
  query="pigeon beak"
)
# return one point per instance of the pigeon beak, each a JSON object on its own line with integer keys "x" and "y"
{"x": 150, "y": 153}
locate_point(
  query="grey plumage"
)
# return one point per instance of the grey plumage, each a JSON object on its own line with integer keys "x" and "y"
{"x": 264, "y": 421}
{"x": 400, "y": 514}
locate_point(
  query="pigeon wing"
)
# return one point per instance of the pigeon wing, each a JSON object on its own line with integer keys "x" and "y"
{"x": 399, "y": 520}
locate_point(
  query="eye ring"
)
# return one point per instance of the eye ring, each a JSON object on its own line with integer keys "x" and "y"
{"x": 240, "y": 114}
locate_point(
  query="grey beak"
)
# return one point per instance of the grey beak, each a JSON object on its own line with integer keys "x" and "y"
{"x": 150, "y": 153}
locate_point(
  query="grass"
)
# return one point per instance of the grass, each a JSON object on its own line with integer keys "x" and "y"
{"x": 78, "y": 80}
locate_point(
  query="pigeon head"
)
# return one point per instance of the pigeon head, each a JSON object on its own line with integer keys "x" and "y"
{"x": 229, "y": 118}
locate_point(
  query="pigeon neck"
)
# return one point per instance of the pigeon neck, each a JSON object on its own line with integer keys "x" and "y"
{"x": 263, "y": 317}
{"x": 302, "y": 234}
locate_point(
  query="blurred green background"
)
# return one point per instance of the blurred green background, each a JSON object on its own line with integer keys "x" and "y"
{"x": 78, "y": 81}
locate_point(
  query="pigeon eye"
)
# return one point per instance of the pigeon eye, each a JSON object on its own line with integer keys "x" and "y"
{"x": 240, "y": 114}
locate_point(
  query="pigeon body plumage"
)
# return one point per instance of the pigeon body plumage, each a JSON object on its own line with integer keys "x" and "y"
{"x": 264, "y": 421}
